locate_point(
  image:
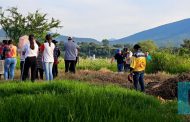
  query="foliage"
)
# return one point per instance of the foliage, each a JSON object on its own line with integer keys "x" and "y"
{"x": 105, "y": 42}
{"x": 15, "y": 24}
{"x": 148, "y": 45}
{"x": 80, "y": 102}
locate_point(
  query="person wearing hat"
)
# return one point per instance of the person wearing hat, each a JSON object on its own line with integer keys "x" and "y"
{"x": 56, "y": 54}
{"x": 120, "y": 60}
{"x": 137, "y": 67}
{"x": 70, "y": 55}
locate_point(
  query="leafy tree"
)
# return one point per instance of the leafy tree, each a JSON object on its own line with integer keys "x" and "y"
{"x": 105, "y": 42}
{"x": 148, "y": 45}
{"x": 15, "y": 24}
{"x": 186, "y": 44}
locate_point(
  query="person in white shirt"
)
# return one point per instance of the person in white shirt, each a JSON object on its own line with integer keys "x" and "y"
{"x": 31, "y": 52}
{"x": 48, "y": 48}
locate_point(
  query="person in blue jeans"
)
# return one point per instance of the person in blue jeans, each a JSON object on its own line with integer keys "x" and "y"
{"x": 9, "y": 52}
{"x": 48, "y": 49}
{"x": 137, "y": 67}
{"x": 120, "y": 60}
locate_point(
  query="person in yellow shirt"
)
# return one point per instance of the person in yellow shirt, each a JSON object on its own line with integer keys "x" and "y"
{"x": 137, "y": 67}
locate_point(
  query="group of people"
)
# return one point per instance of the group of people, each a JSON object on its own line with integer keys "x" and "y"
{"x": 134, "y": 62}
{"x": 39, "y": 57}
{"x": 43, "y": 57}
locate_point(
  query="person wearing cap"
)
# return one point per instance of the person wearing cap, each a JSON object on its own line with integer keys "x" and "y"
{"x": 70, "y": 55}
{"x": 137, "y": 67}
{"x": 56, "y": 54}
{"x": 120, "y": 60}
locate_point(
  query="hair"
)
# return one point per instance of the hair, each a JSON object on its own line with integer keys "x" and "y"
{"x": 136, "y": 47}
{"x": 31, "y": 40}
{"x": 5, "y": 41}
{"x": 49, "y": 38}
{"x": 10, "y": 42}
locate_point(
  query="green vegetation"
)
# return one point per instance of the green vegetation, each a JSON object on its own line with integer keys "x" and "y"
{"x": 16, "y": 24}
{"x": 75, "y": 101}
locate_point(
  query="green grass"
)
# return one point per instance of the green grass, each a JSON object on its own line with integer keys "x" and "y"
{"x": 80, "y": 102}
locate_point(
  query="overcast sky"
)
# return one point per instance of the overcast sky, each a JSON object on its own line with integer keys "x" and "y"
{"x": 101, "y": 19}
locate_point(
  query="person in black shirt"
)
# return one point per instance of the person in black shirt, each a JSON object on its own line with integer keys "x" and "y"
{"x": 120, "y": 60}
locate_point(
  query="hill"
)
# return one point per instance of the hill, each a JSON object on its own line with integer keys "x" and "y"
{"x": 76, "y": 39}
{"x": 59, "y": 38}
{"x": 173, "y": 33}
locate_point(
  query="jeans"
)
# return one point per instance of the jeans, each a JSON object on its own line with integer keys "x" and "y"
{"x": 120, "y": 67}
{"x": 139, "y": 77}
{"x": 48, "y": 70}
{"x": 10, "y": 64}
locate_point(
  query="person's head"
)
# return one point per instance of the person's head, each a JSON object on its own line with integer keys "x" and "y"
{"x": 69, "y": 38}
{"x": 31, "y": 40}
{"x": 146, "y": 53}
{"x": 10, "y": 42}
{"x": 118, "y": 51}
{"x": 54, "y": 41}
{"x": 125, "y": 49}
{"x": 5, "y": 42}
{"x": 137, "y": 47}
{"x": 49, "y": 39}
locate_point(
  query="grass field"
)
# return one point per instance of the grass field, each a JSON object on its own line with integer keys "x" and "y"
{"x": 80, "y": 102}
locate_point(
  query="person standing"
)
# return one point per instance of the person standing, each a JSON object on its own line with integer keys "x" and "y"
{"x": 137, "y": 67}
{"x": 48, "y": 48}
{"x": 31, "y": 52}
{"x": 39, "y": 63}
{"x": 22, "y": 42}
{"x": 127, "y": 55}
{"x": 56, "y": 55}
{"x": 120, "y": 60}
{"x": 70, "y": 55}
{"x": 10, "y": 60}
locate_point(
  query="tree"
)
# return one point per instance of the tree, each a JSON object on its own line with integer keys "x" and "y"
{"x": 148, "y": 45}
{"x": 186, "y": 44}
{"x": 105, "y": 42}
{"x": 15, "y": 24}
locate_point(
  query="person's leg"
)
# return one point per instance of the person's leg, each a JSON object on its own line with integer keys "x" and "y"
{"x": 41, "y": 73}
{"x": 66, "y": 65}
{"x": 12, "y": 68}
{"x": 21, "y": 68}
{"x": 136, "y": 80}
{"x": 141, "y": 81}
{"x": 56, "y": 69}
{"x": 53, "y": 70}
{"x": 26, "y": 69}
{"x": 50, "y": 70}
{"x": 72, "y": 66}
{"x": 6, "y": 68}
{"x": 37, "y": 71}
{"x": 33, "y": 69}
{"x": 46, "y": 68}
{"x": 119, "y": 67}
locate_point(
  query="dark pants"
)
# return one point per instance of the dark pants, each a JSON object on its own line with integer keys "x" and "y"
{"x": 30, "y": 62}
{"x": 55, "y": 70}
{"x": 139, "y": 77}
{"x": 126, "y": 67}
{"x": 120, "y": 67}
{"x": 41, "y": 72}
{"x": 77, "y": 59}
{"x": 70, "y": 66}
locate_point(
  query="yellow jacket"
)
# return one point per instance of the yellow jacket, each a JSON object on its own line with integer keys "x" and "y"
{"x": 138, "y": 62}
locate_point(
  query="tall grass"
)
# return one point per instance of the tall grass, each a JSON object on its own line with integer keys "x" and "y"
{"x": 170, "y": 63}
{"x": 80, "y": 102}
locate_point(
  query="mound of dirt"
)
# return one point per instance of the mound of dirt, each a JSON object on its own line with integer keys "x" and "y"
{"x": 168, "y": 88}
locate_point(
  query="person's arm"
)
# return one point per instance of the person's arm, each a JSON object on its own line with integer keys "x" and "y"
{"x": 112, "y": 59}
{"x": 42, "y": 47}
{"x": 133, "y": 64}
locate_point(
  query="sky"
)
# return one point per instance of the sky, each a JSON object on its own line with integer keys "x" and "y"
{"x": 105, "y": 19}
